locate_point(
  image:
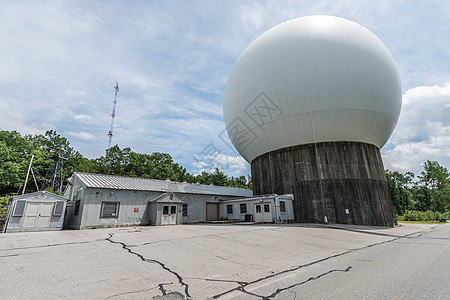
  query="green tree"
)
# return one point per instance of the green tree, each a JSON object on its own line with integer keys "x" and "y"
{"x": 51, "y": 145}
{"x": 219, "y": 178}
{"x": 15, "y": 155}
{"x": 124, "y": 162}
{"x": 399, "y": 187}
{"x": 435, "y": 181}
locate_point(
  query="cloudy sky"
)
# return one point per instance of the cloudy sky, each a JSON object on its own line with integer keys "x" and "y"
{"x": 59, "y": 61}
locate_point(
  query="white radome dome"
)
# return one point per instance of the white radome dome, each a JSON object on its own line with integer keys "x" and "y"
{"x": 312, "y": 79}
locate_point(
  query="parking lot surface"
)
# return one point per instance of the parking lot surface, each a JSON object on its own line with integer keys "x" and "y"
{"x": 200, "y": 261}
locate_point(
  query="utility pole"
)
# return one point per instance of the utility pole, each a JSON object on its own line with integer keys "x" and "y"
{"x": 28, "y": 173}
{"x": 113, "y": 114}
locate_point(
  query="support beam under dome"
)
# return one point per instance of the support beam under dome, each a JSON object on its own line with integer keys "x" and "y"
{"x": 344, "y": 181}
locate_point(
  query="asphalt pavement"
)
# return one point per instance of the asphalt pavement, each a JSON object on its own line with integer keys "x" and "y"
{"x": 228, "y": 261}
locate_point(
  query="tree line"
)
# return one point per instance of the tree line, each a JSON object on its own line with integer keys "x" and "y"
{"x": 423, "y": 197}
{"x": 428, "y": 192}
{"x": 16, "y": 152}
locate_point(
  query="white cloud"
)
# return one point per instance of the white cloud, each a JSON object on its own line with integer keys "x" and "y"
{"x": 82, "y": 135}
{"x": 83, "y": 118}
{"x": 231, "y": 165}
{"x": 423, "y": 130}
{"x": 200, "y": 164}
{"x": 172, "y": 62}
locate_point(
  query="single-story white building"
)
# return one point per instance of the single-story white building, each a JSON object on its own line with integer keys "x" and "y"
{"x": 96, "y": 200}
{"x": 38, "y": 211}
{"x": 259, "y": 209}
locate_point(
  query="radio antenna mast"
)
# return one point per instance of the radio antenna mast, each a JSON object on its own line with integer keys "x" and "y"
{"x": 113, "y": 115}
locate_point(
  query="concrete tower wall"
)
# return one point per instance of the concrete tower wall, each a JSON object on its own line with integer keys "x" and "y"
{"x": 343, "y": 180}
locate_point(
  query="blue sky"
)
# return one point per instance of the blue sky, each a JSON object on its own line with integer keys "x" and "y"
{"x": 60, "y": 61}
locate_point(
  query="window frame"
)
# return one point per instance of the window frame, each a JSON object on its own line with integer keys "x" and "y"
{"x": 19, "y": 208}
{"x": 116, "y": 213}
{"x": 76, "y": 210}
{"x": 229, "y": 209}
{"x": 58, "y": 208}
{"x": 185, "y": 209}
{"x": 283, "y": 206}
{"x": 243, "y": 205}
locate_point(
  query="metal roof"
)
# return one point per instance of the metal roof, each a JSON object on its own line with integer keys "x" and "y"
{"x": 38, "y": 195}
{"x": 143, "y": 184}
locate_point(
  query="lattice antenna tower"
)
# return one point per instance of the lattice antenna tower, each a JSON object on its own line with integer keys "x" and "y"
{"x": 113, "y": 114}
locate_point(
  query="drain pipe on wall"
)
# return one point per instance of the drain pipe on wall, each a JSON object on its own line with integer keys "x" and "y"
{"x": 277, "y": 209}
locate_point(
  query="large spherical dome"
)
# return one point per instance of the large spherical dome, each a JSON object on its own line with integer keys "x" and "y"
{"x": 312, "y": 79}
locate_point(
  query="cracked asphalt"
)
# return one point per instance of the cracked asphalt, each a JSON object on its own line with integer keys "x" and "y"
{"x": 290, "y": 261}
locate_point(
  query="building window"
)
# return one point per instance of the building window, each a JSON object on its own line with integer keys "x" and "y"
{"x": 76, "y": 211}
{"x": 110, "y": 210}
{"x": 165, "y": 210}
{"x": 19, "y": 208}
{"x": 58, "y": 209}
{"x": 230, "y": 209}
{"x": 243, "y": 207}
{"x": 282, "y": 206}
{"x": 173, "y": 209}
{"x": 184, "y": 209}
{"x": 266, "y": 208}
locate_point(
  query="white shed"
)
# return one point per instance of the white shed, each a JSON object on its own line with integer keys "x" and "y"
{"x": 37, "y": 211}
{"x": 259, "y": 209}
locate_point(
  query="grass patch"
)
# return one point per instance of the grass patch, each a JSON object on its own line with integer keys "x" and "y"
{"x": 422, "y": 222}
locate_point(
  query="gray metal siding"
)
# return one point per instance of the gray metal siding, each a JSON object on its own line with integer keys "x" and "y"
{"x": 92, "y": 190}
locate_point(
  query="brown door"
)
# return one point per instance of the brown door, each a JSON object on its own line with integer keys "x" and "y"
{"x": 212, "y": 211}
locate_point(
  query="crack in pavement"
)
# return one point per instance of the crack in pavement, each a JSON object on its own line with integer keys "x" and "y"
{"x": 162, "y": 289}
{"x": 241, "y": 288}
{"x": 225, "y": 280}
{"x": 1, "y": 256}
{"x": 180, "y": 279}
{"x": 278, "y": 291}
{"x": 53, "y": 245}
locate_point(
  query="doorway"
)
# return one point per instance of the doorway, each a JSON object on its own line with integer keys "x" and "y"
{"x": 38, "y": 214}
{"x": 263, "y": 213}
{"x": 212, "y": 212}
{"x": 169, "y": 214}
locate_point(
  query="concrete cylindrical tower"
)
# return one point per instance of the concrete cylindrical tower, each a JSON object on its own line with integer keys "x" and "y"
{"x": 309, "y": 104}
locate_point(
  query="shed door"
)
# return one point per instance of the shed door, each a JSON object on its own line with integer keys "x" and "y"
{"x": 169, "y": 215}
{"x": 38, "y": 214}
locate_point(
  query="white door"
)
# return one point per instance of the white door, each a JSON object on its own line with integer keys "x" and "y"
{"x": 169, "y": 214}
{"x": 38, "y": 214}
{"x": 263, "y": 213}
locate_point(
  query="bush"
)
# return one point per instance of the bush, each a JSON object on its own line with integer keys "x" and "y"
{"x": 415, "y": 215}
